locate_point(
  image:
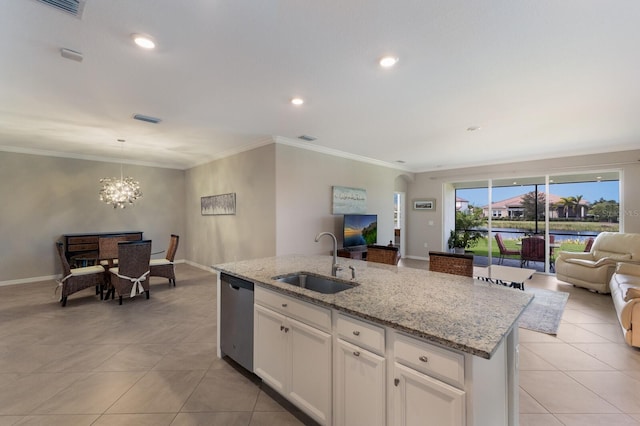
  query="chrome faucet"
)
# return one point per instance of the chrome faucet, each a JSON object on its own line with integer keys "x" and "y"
{"x": 334, "y": 267}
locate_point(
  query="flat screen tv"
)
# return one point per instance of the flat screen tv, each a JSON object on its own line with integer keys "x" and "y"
{"x": 360, "y": 230}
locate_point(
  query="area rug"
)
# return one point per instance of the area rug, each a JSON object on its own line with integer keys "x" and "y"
{"x": 545, "y": 311}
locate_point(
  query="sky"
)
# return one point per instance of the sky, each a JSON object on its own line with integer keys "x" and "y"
{"x": 590, "y": 191}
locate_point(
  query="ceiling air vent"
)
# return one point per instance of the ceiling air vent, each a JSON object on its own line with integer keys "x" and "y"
{"x": 147, "y": 118}
{"x": 307, "y": 138}
{"x": 74, "y": 7}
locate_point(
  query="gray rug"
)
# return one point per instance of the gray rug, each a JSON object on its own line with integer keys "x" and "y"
{"x": 545, "y": 311}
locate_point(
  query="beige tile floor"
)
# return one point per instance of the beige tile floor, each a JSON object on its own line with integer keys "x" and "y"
{"x": 152, "y": 362}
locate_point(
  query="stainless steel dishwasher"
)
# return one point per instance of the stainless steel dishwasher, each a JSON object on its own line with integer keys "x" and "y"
{"x": 236, "y": 320}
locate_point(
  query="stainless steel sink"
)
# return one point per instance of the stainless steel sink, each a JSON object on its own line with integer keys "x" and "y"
{"x": 314, "y": 282}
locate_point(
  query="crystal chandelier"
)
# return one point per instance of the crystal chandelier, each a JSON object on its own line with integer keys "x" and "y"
{"x": 120, "y": 192}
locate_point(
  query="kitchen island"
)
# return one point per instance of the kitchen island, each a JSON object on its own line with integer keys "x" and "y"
{"x": 465, "y": 330}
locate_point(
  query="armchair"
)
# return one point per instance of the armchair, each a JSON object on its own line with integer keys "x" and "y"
{"x": 625, "y": 292}
{"x": 593, "y": 269}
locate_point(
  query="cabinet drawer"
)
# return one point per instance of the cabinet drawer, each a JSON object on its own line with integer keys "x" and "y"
{"x": 306, "y": 312}
{"x": 82, "y": 240}
{"x": 361, "y": 333}
{"x": 431, "y": 360}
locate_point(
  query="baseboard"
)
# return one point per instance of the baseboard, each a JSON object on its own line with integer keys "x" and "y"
{"x": 416, "y": 257}
{"x": 55, "y": 277}
{"x": 29, "y": 280}
{"x": 199, "y": 266}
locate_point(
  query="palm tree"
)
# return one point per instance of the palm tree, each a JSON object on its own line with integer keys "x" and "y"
{"x": 567, "y": 202}
{"x": 577, "y": 200}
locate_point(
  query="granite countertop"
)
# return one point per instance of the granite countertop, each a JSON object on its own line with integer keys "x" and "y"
{"x": 461, "y": 313}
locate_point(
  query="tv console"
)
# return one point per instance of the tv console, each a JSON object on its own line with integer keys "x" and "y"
{"x": 359, "y": 252}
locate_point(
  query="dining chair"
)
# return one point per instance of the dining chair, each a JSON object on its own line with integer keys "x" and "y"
{"x": 533, "y": 250}
{"x": 108, "y": 249}
{"x": 165, "y": 267}
{"x": 589, "y": 244}
{"x": 383, "y": 254}
{"x": 74, "y": 280}
{"x": 451, "y": 263}
{"x": 131, "y": 275}
{"x": 504, "y": 251}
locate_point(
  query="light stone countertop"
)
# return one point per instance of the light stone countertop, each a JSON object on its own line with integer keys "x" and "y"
{"x": 457, "y": 312}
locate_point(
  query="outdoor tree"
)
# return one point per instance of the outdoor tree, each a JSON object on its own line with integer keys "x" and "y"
{"x": 608, "y": 210}
{"x": 466, "y": 235}
{"x": 567, "y": 203}
{"x": 529, "y": 205}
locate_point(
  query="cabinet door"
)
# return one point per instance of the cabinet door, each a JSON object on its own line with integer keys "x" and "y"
{"x": 270, "y": 348}
{"x": 360, "y": 386}
{"x": 423, "y": 400}
{"x": 310, "y": 370}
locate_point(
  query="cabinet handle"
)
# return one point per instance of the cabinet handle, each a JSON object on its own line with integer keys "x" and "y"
{"x": 423, "y": 358}
{"x": 356, "y": 353}
{"x": 356, "y": 333}
{"x": 281, "y": 327}
{"x": 396, "y": 382}
{"x": 286, "y": 329}
{"x": 284, "y": 305}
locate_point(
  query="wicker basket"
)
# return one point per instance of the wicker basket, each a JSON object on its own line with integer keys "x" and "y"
{"x": 451, "y": 263}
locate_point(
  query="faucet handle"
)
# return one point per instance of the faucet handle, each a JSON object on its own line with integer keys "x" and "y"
{"x": 353, "y": 272}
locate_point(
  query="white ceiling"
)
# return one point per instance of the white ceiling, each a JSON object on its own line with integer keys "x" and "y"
{"x": 542, "y": 78}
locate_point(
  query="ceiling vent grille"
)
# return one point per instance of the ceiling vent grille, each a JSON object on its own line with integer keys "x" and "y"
{"x": 73, "y": 7}
{"x": 147, "y": 118}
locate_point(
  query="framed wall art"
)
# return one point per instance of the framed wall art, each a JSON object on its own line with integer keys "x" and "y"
{"x": 424, "y": 204}
{"x": 213, "y": 205}
{"x": 349, "y": 200}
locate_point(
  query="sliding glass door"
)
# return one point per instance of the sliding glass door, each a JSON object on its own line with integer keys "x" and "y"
{"x": 565, "y": 211}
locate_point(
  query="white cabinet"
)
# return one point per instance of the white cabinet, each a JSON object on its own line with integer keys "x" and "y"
{"x": 292, "y": 357}
{"x": 420, "y": 394}
{"x": 422, "y": 400}
{"x": 360, "y": 397}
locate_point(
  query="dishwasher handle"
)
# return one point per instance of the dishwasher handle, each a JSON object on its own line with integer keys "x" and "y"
{"x": 235, "y": 282}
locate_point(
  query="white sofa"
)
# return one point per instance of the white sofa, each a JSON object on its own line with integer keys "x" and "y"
{"x": 593, "y": 269}
{"x": 625, "y": 292}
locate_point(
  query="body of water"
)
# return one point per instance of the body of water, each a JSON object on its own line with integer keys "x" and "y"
{"x": 514, "y": 233}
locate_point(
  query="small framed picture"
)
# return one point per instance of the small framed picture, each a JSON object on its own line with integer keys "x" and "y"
{"x": 426, "y": 204}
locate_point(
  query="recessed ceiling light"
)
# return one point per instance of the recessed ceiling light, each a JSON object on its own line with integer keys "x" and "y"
{"x": 143, "y": 41}
{"x": 473, "y": 128}
{"x": 388, "y": 61}
{"x": 297, "y": 101}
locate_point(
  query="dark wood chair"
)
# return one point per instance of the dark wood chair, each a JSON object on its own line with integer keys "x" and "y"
{"x": 383, "y": 254}
{"x": 587, "y": 247}
{"x": 532, "y": 251}
{"x": 164, "y": 267}
{"x": 131, "y": 275}
{"x": 74, "y": 280}
{"x": 451, "y": 263}
{"x": 504, "y": 251}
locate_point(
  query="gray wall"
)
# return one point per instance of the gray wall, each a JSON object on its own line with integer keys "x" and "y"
{"x": 429, "y": 227}
{"x": 250, "y": 233}
{"x": 304, "y": 198}
{"x": 45, "y": 197}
